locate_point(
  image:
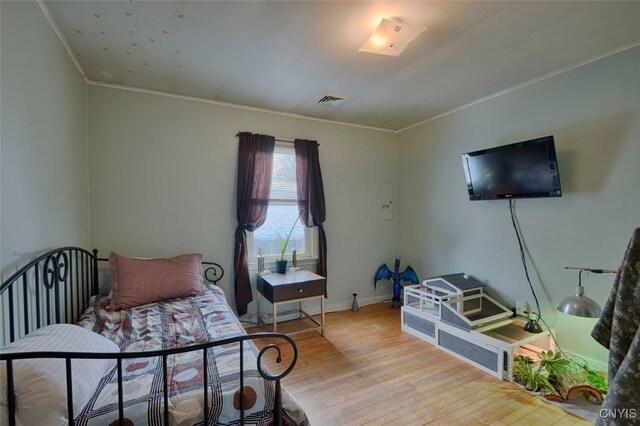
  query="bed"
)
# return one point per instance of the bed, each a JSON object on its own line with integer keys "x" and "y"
{"x": 145, "y": 364}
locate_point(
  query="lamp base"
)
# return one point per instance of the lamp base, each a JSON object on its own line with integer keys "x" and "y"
{"x": 532, "y": 327}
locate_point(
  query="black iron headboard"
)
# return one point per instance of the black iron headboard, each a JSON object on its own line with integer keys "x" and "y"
{"x": 56, "y": 287}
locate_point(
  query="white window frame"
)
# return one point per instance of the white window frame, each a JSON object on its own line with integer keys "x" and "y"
{"x": 309, "y": 257}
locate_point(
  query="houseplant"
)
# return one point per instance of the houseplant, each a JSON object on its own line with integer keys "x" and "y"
{"x": 281, "y": 264}
{"x": 558, "y": 377}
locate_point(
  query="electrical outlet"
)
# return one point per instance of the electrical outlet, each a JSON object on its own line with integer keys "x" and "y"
{"x": 521, "y": 307}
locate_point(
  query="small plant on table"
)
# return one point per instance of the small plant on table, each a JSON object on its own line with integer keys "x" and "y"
{"x": 281, "y": 264}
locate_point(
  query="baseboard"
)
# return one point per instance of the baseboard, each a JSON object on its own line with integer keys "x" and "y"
{"x": 345, "y": 306}
{"x": 267, "y": 317}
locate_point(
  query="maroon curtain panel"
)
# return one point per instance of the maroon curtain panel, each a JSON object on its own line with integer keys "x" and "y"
{"x": 255, "y": 161}
{"x": 311, "y": 194}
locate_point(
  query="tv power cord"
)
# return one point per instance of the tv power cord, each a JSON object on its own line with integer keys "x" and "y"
{"x": 532, "y": 325}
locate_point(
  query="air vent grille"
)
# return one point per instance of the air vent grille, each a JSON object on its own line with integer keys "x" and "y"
{"x": 331, "y": 99}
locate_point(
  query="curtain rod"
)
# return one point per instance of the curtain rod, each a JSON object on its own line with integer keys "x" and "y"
{"x": 286, "y": 141}
{"x": 278, "y": 139}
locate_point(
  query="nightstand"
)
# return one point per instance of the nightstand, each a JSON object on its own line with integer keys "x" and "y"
{"x": 294, "y": 286}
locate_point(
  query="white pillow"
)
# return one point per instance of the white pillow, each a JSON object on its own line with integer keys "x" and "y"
{"x": 40, "y": 383}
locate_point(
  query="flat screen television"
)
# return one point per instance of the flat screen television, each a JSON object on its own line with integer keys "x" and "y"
{"x": 527, "y": 169}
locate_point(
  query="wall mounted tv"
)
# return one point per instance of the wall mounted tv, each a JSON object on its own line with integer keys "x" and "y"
{"x": 526, "y": 169}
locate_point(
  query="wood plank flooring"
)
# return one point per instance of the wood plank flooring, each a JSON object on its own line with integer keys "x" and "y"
{"x": 367, "y": 371}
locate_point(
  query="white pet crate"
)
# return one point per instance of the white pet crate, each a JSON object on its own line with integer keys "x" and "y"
{"x": 453, "y": 313}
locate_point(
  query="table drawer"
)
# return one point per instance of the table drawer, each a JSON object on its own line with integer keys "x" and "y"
{"x": 282, "y": 293}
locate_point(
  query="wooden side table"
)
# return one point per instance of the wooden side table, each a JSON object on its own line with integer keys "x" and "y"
{"x": 294, "y": 286}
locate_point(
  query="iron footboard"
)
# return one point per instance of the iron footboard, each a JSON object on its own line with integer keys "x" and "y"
{"x": 10, "y": 358}
{"x": 56, "y": 286}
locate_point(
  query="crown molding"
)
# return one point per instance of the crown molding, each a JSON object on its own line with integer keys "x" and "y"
{"x": 56, "y": 29}
{"x": 526, "y": 83}
{"x": 65, "y": 43}
{"x": 231, "y": 105}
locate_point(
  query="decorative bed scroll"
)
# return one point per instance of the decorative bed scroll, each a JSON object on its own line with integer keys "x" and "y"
{"x": 51, "y": 289}
{"x": 56, "y": 286}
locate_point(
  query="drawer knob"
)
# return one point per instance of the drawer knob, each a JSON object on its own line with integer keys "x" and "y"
{"x": 299, "y": 290}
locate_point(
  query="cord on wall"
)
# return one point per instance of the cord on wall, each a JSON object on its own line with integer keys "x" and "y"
{"x": 532, "y": 325}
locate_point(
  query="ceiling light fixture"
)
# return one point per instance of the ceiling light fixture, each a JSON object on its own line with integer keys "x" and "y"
{"x": 391, "y": 38}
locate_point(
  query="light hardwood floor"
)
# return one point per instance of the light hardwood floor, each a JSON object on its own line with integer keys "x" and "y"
{"x": 367, "y": 371}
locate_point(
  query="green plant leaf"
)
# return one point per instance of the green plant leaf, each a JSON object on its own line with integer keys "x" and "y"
{"x": 285, "y": 241}
{"x": 598, "y": 381}
{"x": 554, "y": 363}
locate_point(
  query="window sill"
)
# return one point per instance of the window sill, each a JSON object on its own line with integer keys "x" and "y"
{"x": 270, "y": 264}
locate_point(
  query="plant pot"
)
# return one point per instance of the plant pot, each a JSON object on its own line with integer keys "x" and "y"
{"x": 281, "y": 266}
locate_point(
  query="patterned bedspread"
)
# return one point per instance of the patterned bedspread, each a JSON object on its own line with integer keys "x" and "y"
{"x": 174, "y": 324}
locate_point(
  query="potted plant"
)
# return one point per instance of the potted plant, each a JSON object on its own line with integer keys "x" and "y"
{"x": 281, "y": 264}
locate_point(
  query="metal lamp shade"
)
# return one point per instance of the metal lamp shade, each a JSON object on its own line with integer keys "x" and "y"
{"x": 580, "y": 305}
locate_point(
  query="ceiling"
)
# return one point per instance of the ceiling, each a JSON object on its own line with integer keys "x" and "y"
{"x": 283, "y": 56}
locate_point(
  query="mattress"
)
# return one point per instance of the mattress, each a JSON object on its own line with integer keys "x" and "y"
{"x": 173, "y": 324}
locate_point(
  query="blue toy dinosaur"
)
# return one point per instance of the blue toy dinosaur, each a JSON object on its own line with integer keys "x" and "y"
{"x": 383, "y": 273}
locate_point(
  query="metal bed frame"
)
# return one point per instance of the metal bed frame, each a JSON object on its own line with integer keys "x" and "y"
{"x": 56, "y": 287}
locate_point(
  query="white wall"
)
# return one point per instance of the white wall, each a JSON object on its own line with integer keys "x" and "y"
{"x": 44, "y": 187}
{"x": 163, "y": 175}
{"x": 593, "y": 111}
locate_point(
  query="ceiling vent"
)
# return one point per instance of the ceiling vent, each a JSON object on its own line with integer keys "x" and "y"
{"x": 332, "y": 99}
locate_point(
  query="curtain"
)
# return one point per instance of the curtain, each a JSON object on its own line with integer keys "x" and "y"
{"x": 255, "y": 159}
{"x": 311, "y": 195}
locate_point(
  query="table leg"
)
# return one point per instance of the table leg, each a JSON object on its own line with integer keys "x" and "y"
{"x": 275, "y": 317}
{"x": 300, "y": 309}
{"x": 322, "y": 315}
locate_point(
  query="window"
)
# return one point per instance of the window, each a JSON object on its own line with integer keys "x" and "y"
{"x": 283, "y": 210}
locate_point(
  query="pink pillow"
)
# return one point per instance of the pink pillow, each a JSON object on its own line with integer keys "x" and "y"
{"x": 138, "y": 281}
